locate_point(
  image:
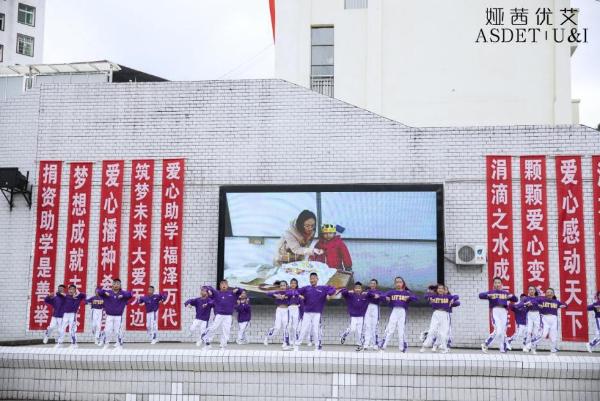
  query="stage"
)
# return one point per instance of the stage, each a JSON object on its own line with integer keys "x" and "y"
{"x": 181, "y": 371}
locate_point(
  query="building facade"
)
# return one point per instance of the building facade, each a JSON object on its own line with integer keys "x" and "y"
{"x": 264, "y": 132}
{"x": 21, "y": 31}
{"x": 424, "y": 63}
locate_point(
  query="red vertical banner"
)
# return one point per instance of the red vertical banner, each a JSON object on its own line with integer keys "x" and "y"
{"x": 171, "y": 229}
{"x": 596, "y": 194}
{"x": 534, "y": 222}
{"x": 140, "y": 239}
{"x": 44, "y": 254}
{"x": 109, "y": 237}
{"x": 78, "y": 230}
{"x": 571, "y": 247}
{"x": 499, "y": 223}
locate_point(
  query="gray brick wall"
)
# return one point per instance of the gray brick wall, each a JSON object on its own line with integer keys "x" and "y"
{"x": 259, "y": 132}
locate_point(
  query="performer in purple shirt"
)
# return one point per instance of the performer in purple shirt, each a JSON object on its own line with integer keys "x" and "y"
{"x": 71, "y": 303}
{"x": 56, "y": 302}
{"x": 152, "y": 302}
{"x": 441, "y": 302}
{"x": 315, "y": 297}
{"x": 534, "y": 320}
{"x": 203, "y": 306}
{"x": 97, "y": 303}
{"x": 244, "y": 314}
{"x": 595, "y": 307}
{"x": 399, "y": 298}
{"x": 549, "y": 307}
{"x": 520, "y": 312}
{"x": 294, "y": 304}
{"x": 115, "y": 301}
{"x": 281, "y": 315}
{"x": 498, "y": 300}
{"x": 374, "y": 295}
{"x": 357, "y": 303}
{"x": 224, "y": 300}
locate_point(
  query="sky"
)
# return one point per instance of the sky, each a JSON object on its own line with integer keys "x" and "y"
{"x": 228, "y": 39}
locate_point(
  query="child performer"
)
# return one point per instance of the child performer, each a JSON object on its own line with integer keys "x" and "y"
{"x": 70, "y": 307}
{"x": 357, "y": 303}
{"x": 97, "y": 303}
{"x": 293, "y": 297}
{"x": 335, "y": 252}
{"x": 203, "y": 305}
{"x": 533, "y": 318}
{"x": 498, "y": 301}
{"x": 398, "y": 299}
{"x": 436, "y": 342}
{"x": 281, "y": 315}
{"x": 225, "y": 300}
{"x": 315, "y": 297}
{"x": 56, "y": 302}
{"x": 520, "y": 312}
{"x": 152, "y": 302}
{"x": 441, "y": 302}
{"x": 244, "y": 314}
{"x": 115, "y": 301}
{"x": 549, "y": 306}
{"x": 374, "y": 296}
{"x": 596, "y": 308}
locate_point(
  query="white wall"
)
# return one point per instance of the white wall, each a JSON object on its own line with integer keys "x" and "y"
{"x": 260, "y": 132}
{"x": 418, "y": 63}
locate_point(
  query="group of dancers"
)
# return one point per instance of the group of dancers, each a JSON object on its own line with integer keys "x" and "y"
{"x": 299, "y": 309}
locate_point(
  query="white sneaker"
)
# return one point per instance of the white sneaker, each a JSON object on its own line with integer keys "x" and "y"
{"x": 526, "y": 348}
{"x": 434, "y": 348}
{"x": 533, "y": 351}
{"x": 484, "y": 348}
{"x": 45, "y": 340}
{"x": 198, "y": 343}
{"x": 589, "y": 347}
{"x": 154, "y": 341}
{"x": 106, "y": 346}
{"x": 286, "y": 347}
{"x": 508, "y": 346}
{"x": 310, "y": 344}
{"x": 266, "y": 342}
{"x": 99, "y": 343}
{"x": 422, "y": 350}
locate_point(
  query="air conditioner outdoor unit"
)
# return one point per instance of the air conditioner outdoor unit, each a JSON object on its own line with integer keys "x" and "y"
{"x": 470, "y": 255}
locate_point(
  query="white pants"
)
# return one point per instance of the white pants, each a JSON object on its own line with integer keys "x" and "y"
{"x": 201, "y": 326}
{"x": 55, "y": 324}
{"x": 113, "y": 328}
{"x": 310, "y": 320}
{"x": 596, "y": 339}
{"x": 371, "y": 323}
{"x": 521, "y": 331}
{"x": 152, "y": 325}
{"x": 499, "y": 321}
{"x": 69, "y": 320}
{"x": 293, "y": 323}
{"x": 223, "y": 321}
{"x": 97, "y": 323}
{"x": 550, "y": 329}
{"x": 439, "y": 328}
{"x": 534, "y": 322}
{"x": 397, "y": 322}
{"x": 357, "y": 327}
{"x": 241, "y": 335}
{"x": 281, "y": 325}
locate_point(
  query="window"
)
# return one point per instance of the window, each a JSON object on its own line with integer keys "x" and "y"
{"x": 350, "y": 4}
{"x": 1, "y": 53}
{"x": 321, "y": 64}
{"x": 26, "y": 14}
{"x": 25, "y": 45}
{"x": 2, "y": 19}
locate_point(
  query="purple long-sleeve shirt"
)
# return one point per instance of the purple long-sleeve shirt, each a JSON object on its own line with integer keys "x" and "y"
{"x": 56, "y": 301}
{"x": 96, "y": 302}
{"x": 315, "y": 297}
{"x": 520, "y": 312}
{"x": 596, "y": 308}
{"x": 278, "y": 301}
{"x": 293, "y": 297}
{"x": 114, "y": 302}
{"x": 549, "y": 306}
{"x": 244, "y": 312}
{"x": 356, "y": 303}
{"x": 152, "y": 302}
{"x": 71, "y": 303}
{"x": 400, "y": 298}
{"x": 371, "y": 296}
{"x": 441, "y": 302}
{"x": 530, "y": 304}
{"x": 498, "y": 298}
{"x": 454, "y": 305}
{"x": 202, "y": 306}
{"x": 224, "y": 301}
